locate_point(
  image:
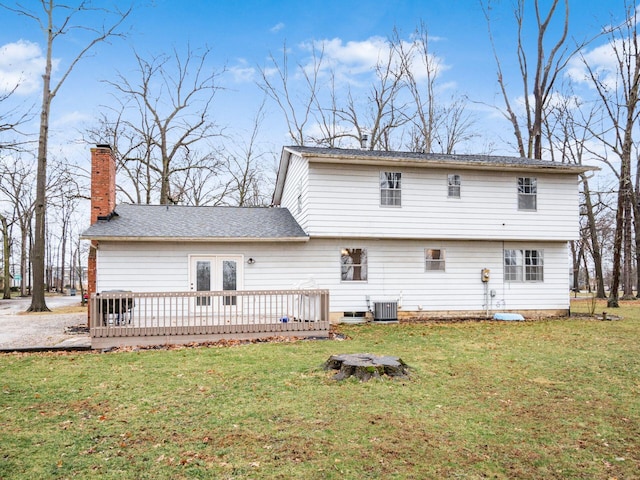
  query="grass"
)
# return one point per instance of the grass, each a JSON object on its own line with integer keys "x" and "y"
{"x": 545, "y": 399}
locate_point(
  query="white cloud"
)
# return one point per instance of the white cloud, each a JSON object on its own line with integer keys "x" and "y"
{"x": 21, "y": 65}
{"x": 354, "y": 58}
{"x": 277, "y": 27}
{"x": 602, "y": 61}
{"x": 242, "y": 72}
{"x": 71, "y": 119}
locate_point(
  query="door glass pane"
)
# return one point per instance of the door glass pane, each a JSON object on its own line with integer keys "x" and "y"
{"x": 203, "y": 281}
{"x": 229, "y": 275}
{"x": 229, "y": 280}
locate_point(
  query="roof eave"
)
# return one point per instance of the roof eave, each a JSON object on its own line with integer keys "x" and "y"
{"x": 285, "y": 159}
{"x": 407, "y": 162}
{"x": 366, "y": 159}
{"x": 112, "y": 238}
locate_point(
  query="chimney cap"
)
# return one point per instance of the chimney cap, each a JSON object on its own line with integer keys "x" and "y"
{"x": 103, "y": 145}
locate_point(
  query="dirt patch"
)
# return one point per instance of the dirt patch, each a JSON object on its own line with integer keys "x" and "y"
{"x": 59, "y": 310}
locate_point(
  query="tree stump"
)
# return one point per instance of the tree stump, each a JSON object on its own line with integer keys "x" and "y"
{"x": 365, "y": 366}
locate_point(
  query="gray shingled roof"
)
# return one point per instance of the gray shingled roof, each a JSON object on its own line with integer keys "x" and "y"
{"x": 178, "y": 222}
{"x": 436, "y": 158}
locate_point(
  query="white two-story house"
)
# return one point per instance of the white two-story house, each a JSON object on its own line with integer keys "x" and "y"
{"x": 430, "y": 234}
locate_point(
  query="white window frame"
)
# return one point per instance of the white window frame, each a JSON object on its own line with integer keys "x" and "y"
{"x": 349, "y": 269}
{"x": 454, "y": 185}
{"x": 433, "y": 264}
{"x": 390, "y": 189}
{"x": 523, "y": 265}
{"x": 528, "y": 194}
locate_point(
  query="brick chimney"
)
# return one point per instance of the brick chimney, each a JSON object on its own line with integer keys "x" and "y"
{"x": 103, "y": 202}
{"x": 103, "y": 182}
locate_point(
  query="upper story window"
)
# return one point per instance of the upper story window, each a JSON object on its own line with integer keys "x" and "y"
{"x": 454, "y": 181}
{"x": 527, "y": 193}
{"x": 391, "y": 189}
{"x": 434, "y": 260}
{"x": 353, "y": 263}
{"x": 523, "y": 265}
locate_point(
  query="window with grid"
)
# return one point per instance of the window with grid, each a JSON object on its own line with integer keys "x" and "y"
{"x": 353, "y": 263}
{"x": 454, "y": 182}
{"x": 434, "y": 260}
{"x": 533, "y": 266}
{"x": 390, "y": 189}
{"x": 527, "y": 193}
{"x": 523, "y": 266}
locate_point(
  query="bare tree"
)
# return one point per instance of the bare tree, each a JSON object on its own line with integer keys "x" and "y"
{"x": 6, "y": 256}
{"x": 64, "y": 195}
{"x": 54, "y": 26}
{"x": 297, "y": 109}
{"x": 133, "y": 154}
{"x": 546, "y": 68}
{"x": 17, "y": 188}
{"x": 618, "y": 91}
{"x": 245, "y": 168}
{"x": 165, "y": 115}
{"x": 200, "y": 186}
{"x": 11, "y": 119}
{"x": 568, "y": 126}
{"x": 375, "y": 122}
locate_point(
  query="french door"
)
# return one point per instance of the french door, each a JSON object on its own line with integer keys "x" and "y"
{"x": 215, "y": 273}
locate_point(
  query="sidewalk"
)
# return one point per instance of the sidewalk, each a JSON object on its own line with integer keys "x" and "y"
{"x": 33, "y": 331}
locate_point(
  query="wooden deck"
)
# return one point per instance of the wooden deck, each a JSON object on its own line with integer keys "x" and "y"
{"x": 130, "y": 318}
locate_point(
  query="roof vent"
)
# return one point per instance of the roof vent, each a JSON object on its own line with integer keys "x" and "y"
{"x": 363, "y": 141}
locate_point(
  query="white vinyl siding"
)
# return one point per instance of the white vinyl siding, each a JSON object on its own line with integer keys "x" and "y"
{"x": 344, "y": 201}
{"x": 294, "y": 194}
{"x": 395, "y": 272}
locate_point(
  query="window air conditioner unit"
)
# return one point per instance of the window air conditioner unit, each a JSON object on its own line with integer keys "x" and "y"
{"x": 385, "y": 311}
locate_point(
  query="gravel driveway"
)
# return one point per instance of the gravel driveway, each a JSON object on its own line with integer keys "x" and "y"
{"x": 21, "y": 330}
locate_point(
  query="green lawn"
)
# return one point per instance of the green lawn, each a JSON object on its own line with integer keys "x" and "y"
{"x": 545, "y": 399}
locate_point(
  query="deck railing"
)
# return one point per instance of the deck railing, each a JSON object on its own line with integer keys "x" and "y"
{"x": 120, "y": 318}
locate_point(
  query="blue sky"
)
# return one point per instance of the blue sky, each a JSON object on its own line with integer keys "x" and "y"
{"x": 242, "y": 34}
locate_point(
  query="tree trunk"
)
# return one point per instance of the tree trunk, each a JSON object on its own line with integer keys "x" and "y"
{"x": 24, "y": 236}
{"x": 365, "y": 366}
{"x": 612, "y": 302}
{"x": 575, "y": 257}
{"x": 627, "y": 240}
{"x": 587, "y": 276}
{"x": 6, "y": 292}
{"x": 80, "y": 284}
{"x": 593, "y": 235}
{"x": 63, "y": 255}
{"x": 38, "y": 303}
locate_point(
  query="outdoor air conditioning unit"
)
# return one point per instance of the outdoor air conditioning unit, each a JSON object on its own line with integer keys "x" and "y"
{"x": 385, "y": 311}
